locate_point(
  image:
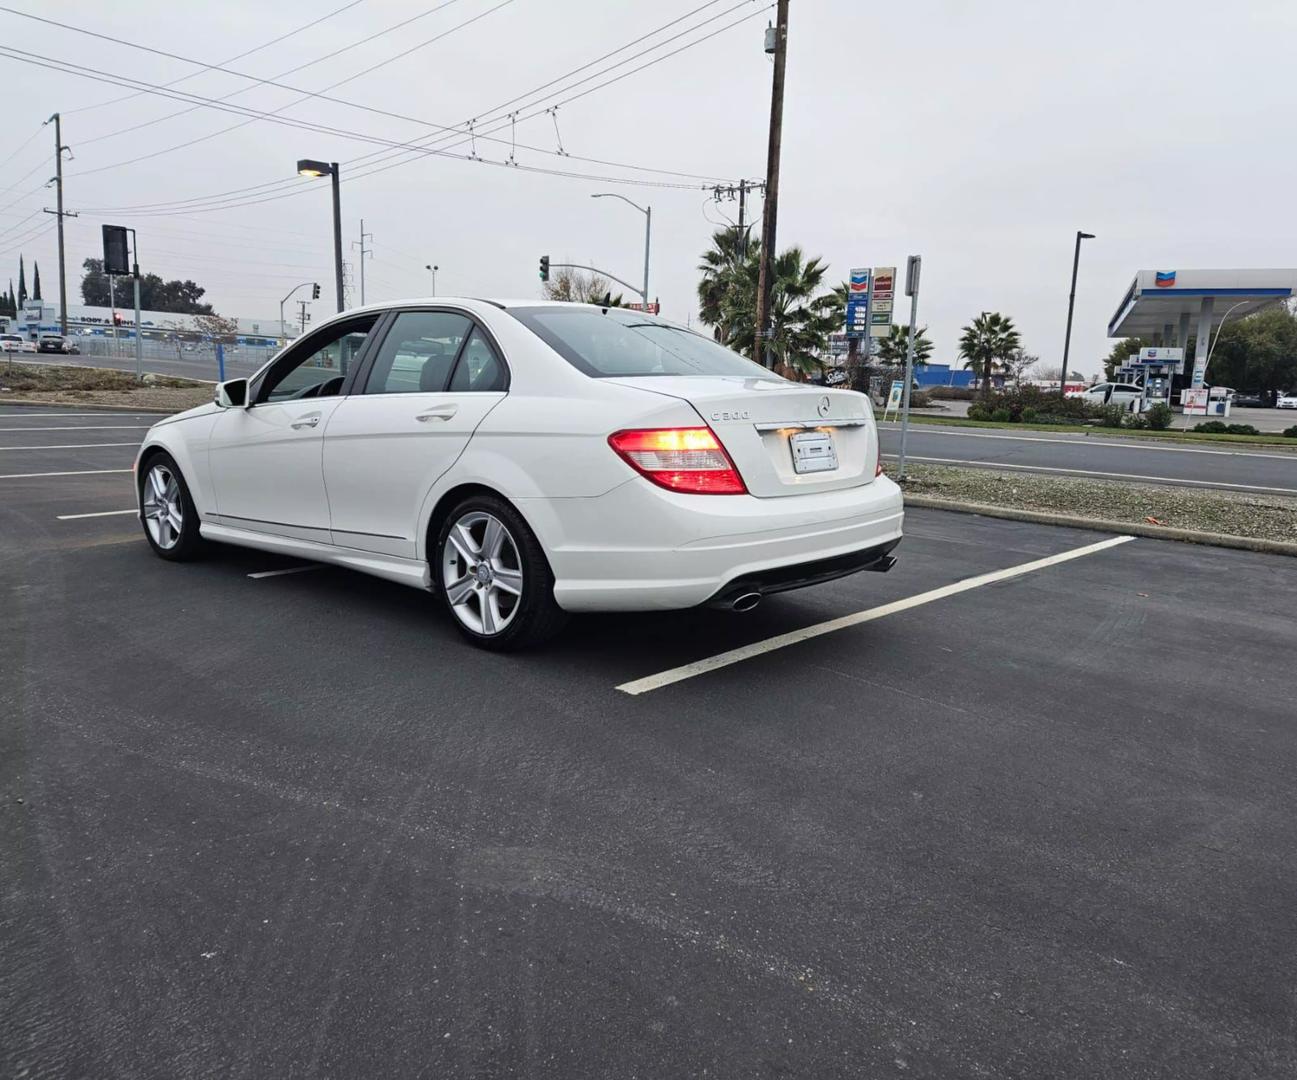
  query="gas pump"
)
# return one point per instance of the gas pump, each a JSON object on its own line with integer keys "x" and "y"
{"x": 1157, "y": 367}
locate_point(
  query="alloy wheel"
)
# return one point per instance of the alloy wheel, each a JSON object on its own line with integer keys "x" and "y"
{"x": 482, "y": 573}
{"x": 163, "y": 511}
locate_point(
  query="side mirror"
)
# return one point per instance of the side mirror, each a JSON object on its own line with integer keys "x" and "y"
{"x": 232, "y": 394}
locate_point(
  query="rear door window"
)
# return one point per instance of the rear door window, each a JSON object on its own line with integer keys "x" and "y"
{"x": 418, "y": 353}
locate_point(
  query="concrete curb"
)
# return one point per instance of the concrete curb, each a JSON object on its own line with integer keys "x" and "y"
{"x": 1127, "y": 528}
{"x": 88, "y": 405}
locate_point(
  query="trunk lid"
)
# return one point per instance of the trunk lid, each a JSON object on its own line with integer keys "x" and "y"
{"x": 757, "y": 420}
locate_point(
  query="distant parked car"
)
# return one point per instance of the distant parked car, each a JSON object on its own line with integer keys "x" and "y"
{"x": 10, "y": 343}
{"x": 1113, "y": 393}
{"x": 51, "y": 343}
{"x": 1286, "y": 401}
{"x": 29, "y": 346}
{"x": 1249, "y": 399}
{"x": 71, "y": 347}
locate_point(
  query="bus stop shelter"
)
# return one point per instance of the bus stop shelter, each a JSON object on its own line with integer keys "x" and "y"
{"x": 1165, "y": 306}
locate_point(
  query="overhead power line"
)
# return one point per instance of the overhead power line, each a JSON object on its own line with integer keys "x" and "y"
{"x": 274, "y": 190}
{"x": 283, "y": 74}
{"x": 249, "y": 52}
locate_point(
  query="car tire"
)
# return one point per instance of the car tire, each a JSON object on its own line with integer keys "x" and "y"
{"x": 163, "y": 494}
{"x": 483, "y": 552}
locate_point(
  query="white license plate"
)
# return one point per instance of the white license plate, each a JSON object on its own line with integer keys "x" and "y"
{"x": 813, "y": 452}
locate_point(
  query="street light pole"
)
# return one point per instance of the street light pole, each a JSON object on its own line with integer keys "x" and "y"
{"x": 310, "y": 167}
{"x": 1071, "y": 304}
{"x": 647, "y": 211}
{"x": 432, "y": 268}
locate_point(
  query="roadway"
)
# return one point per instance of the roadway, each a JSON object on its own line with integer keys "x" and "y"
{"x": 1259, "y": 471}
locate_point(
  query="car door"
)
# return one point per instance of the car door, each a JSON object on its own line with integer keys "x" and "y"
{"x": 266, "y": 459}
{"x": 426, "y": 387}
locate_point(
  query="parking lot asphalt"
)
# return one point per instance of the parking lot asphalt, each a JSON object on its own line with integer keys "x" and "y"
{"x": 293, "y": 825}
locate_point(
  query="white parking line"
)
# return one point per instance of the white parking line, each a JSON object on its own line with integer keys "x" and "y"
{"x": 71, "y": 446}
{"x": 84, "y": 427}
{"x": 747, "y": 652}
{"x": 290, "y": 570}
{"x": 75, "y": 472}
{"x": 1093, "y": 472}
{"x": 105, "y": 415}
{"x": 101, "y": 513}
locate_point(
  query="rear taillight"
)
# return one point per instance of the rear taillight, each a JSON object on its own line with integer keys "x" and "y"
{"x": 680, "y": 459}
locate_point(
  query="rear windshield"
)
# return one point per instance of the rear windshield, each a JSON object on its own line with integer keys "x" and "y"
{"x": 617, "y": 342}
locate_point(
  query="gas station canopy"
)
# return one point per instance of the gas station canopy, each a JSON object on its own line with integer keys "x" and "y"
{"x": 1164, "y": 306}
{"x": 1159, "y": 299}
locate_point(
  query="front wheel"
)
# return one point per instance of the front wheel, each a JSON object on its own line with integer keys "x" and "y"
{"x": 494, "y": 577}
{"x": 167, "y": 510}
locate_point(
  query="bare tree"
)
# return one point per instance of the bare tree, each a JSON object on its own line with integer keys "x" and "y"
{"x": 1017, "y": 364}
{"x": 579, "y": 287}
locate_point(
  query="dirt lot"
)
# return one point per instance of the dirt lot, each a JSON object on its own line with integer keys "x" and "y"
{"x": 66, "y": 385}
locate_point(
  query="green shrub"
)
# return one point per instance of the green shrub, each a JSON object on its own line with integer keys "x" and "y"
{"x": 1160, "y": 416}
{"x": 1002, "y": 415}
{"x": 1029, "y": 415}
{"x": 979, "y": 412}
{"x": 953, "y": 393}
{"x": 1137, "y": 421}
{"x": 1290, "y": 433}
{"x": 920, "y": 399}
{"x": 1211, "y": 427}
{"x": 1112, "y": 415}
{"x": 1241, "y": 429}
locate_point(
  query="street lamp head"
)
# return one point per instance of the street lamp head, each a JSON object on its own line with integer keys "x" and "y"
{"x": 307, "y": 167}
{"x": 1086, "y": 235}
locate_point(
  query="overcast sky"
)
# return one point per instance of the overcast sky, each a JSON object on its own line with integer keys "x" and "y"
{"x": 981, "y": 135}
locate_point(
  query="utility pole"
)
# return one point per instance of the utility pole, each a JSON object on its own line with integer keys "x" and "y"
{"x": 302, "y": 317}
{"x": 363, "y": 253}
{"x": 59, "y": 214}
{"x": 769, "y": 221}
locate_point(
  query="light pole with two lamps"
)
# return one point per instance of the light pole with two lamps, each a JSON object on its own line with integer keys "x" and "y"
{"x": 434, "y": 269}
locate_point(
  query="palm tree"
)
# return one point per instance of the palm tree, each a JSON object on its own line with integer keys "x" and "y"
{"x": 989, "y": 338}
{"x": 893, "y": 348}
{"x": 801, "y": 316}
{"x": 724, "y": 266}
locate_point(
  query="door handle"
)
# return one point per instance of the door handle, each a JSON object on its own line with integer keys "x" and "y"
{"x": 306, "y": 421}
{"x": 438, "y": 412}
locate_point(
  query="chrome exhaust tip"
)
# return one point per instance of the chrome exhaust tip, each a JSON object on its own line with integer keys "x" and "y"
{"x": 746, "y": 602}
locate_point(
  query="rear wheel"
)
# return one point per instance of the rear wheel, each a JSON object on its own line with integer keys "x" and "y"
{"x": 494, "y": 577}
{"x": 167, "y": 510}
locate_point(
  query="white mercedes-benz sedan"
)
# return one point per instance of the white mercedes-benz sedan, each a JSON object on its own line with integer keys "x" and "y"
{"x": 524, "y": 460}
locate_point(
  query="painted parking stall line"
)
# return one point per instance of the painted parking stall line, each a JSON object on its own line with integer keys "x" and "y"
{"x": 71, "y": 472}
{"x": 794, "y": 637}
{"x": 97, "y": 514}
{"x": 84, "y": 427}
{"x": 289, "y": 570}
{"x": 70, "y": 446}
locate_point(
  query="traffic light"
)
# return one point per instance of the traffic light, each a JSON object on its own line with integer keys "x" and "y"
{"x": 544, "y": 268}
{"x": 315, "y": 291}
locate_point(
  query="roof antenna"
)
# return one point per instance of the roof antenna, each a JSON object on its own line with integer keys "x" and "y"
{"x": 607, "y": 302}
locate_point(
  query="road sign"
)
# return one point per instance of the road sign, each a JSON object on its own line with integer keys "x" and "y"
{"x": 912, "y": 267}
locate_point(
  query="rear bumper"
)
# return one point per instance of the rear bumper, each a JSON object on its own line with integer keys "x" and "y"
{"x": 641, "y": 548}
{"x": 783, "y": 578}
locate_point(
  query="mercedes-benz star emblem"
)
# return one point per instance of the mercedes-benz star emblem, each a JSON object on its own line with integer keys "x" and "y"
{"x": 823, "y": 407}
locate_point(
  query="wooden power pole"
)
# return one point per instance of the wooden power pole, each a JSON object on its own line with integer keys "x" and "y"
{"x": 769, "y": 219}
